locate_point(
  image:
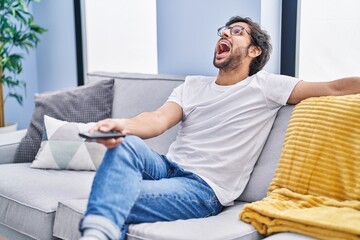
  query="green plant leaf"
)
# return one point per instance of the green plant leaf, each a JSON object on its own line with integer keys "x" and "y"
{"x": 18, "y": 97}
{"x": 18, "y": 34}
{"x": 24, "y": 6}
{"x": 13, "y": 10}
{"x": 19, "y": 15}
{"x": 36, "y": 28}
{"x": 8, "y": 81}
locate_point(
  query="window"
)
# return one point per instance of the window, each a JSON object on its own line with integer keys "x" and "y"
{"x": 119, "y": 39}
{"x": 328, "y": 40}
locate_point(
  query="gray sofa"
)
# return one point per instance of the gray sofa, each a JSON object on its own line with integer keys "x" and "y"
{"x": 48, "y": 204}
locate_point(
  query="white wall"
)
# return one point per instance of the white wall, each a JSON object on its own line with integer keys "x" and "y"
{"x": 329, "y": 40}
{"x": 121, "y": 35}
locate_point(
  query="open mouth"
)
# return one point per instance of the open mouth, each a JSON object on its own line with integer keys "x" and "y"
{"x": 223, "y": 48}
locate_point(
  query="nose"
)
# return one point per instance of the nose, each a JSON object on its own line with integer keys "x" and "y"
{"x": 226, "y": 33}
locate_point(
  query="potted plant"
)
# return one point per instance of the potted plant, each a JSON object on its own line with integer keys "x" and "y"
{"x": 18, "y": 34}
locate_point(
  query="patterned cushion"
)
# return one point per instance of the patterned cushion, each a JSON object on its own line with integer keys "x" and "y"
{"x": 89, "y": 103}
{"x": 64, "y": 149}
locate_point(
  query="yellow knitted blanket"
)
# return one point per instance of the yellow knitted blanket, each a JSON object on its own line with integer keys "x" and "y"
{"x": 316, "y": 187}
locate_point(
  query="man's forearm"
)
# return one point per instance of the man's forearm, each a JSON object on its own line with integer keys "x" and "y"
{"x": 152, "y": 124}
{"x": 144, "y": 125}
{"x": 346, "y": 86}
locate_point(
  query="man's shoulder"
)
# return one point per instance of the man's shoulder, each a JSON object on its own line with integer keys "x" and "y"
{"x": 263, "y": 75}
{"x": 267, "y": 77}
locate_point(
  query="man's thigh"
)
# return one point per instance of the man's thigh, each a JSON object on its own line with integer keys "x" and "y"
{"x": 174, "y": 198}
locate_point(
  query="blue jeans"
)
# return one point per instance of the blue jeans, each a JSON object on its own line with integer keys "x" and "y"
{"x": 135, "y": 184}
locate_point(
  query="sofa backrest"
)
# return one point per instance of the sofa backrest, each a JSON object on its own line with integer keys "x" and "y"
{"x": 265, "y": 166}
{"x": 135, "y": 93}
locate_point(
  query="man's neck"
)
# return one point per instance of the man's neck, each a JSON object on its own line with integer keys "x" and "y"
{"x": 226, "y": 78}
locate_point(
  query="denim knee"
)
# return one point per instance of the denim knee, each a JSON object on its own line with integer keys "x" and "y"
{"x": 131, "y": 149}
{"x": 134, "y": 142}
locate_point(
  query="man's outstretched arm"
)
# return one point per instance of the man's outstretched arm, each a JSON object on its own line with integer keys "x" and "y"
{"x": 337, "y": 87}
{"x": 145, "y": 125}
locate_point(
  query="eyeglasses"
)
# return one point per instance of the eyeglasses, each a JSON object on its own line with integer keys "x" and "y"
{"x": 234, "y": 31}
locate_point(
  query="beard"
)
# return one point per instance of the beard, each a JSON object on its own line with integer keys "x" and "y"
{"x": 233, "y": 61}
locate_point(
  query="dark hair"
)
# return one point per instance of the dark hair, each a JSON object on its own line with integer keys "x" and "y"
{"x": 260, "y": 39}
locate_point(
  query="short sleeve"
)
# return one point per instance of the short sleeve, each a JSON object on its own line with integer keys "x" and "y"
{"x": 277, "y": 88}
{"x": 176, "y": 95}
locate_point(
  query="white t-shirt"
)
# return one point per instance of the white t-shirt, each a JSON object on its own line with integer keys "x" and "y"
{"x": 224, "y": 128}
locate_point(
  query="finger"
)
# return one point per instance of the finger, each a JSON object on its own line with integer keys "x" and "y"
{"x": 107, "y": 142}
{"x": 103, "y": 125}
{"x": 103, "y": 141}
{"x": 119, "y": 140}
{"x": 96, "y": 127}
{"x": 106, "y": 128}
{"x": 112, "y": 142}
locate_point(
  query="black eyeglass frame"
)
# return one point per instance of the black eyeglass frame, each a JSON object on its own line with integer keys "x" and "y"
{"x": 220, "y": 31}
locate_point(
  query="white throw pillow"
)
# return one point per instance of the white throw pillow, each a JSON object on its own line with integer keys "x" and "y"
{"x": 64, "y": 149}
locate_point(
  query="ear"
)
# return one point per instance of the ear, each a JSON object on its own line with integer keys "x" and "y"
{"x": 254, "y": 51}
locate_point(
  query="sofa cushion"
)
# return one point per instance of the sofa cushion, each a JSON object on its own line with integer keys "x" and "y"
{"x": 29, "y": 197}
{"x": 68, "y": 216}
{"x": 64, "y": 149}
{"x": 136, "y": 93}
{"x": 225, "y": 225}
{"x": 265, "y": 166}
{"x": 8, "y": 145}
{"x": 88, "y": 103}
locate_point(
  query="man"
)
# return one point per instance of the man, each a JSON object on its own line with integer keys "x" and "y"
{"x": 225, "y": 121}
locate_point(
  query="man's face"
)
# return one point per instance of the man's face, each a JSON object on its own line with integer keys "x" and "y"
{"x": 232, "y": 50}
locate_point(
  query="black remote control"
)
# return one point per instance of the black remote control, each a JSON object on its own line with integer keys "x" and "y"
{"x": 101, "y": 135}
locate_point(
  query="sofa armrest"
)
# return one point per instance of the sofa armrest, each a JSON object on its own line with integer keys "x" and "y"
{"x": 8, "y": 145}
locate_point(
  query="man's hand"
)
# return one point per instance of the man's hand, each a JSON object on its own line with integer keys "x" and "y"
{"x": 108, "y": 125}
